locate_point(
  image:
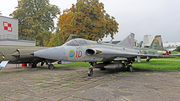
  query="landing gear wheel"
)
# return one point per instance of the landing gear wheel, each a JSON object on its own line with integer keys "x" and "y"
{"x": 90, "y": 72}
{"x": 147, "y": 60}
{"x": 34, "y": 65}
{"x": 130, "y": 68}
{"x": 51, "y": 66}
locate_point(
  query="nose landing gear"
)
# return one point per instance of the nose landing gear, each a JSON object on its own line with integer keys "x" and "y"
{"x": 90, "y": 72}
{"x": 51, "y": 66}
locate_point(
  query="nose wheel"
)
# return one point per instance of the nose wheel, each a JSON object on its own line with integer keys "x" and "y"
{"x": 51, "y": 66}
{"x": 90, "y": 72}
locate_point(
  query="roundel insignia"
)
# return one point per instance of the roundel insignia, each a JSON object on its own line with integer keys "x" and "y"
{"x": 71, "y": 53}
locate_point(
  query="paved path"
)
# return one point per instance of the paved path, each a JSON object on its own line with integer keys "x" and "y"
{"x": 72, "y": 84}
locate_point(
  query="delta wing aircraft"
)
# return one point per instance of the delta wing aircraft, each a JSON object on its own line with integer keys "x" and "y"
{"x": 82, "y": 50}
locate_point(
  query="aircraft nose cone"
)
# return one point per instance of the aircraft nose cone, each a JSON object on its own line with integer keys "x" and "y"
{"x": 55, "y": 53}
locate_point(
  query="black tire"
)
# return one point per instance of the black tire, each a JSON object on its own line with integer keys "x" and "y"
{"x": 34, "y": 65}
{"x": 51, "y": 66}
{"x": 130, "y": 68}
{"x": 147, "y": 60}
{"x": 90, "y": 72}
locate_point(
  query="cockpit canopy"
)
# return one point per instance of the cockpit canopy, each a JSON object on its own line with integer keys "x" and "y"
{"x": 76, "y": 42}
{"x": 80, "y": 42}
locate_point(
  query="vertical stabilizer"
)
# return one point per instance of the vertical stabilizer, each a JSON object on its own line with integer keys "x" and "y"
{"x": 157, "y": 43}
{"x": 128, "y": 41}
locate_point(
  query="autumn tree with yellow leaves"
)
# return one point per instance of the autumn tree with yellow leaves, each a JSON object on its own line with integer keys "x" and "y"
{"x": 35, "y": 20}
{"x": 87, "y": 18}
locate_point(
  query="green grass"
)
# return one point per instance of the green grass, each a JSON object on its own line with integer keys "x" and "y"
{"x": 175, "y": 52}
{"x": 76, "y": 64}
{"x": 159, "y": 65}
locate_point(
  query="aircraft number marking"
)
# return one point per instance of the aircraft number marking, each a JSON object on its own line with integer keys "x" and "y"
{"x": 78, "y": 53}
{"x": 72, "y": 53}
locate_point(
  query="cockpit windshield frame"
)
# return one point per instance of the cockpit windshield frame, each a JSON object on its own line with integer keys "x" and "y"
{"x": 72, "y": 43}
{"x": 76, "y": 42}
{"x": 81, "y": 42}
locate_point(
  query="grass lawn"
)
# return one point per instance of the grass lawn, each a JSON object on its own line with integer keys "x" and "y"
{"x": 76, "y": 64}
{"x": 164, "y": 65}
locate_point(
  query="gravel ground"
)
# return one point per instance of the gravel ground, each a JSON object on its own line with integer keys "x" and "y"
{"x": 72, "y": 84}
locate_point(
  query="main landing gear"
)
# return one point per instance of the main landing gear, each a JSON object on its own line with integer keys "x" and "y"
{"x": 130, "y": 68}
{"x": 101, "y": 66}
{"x": 32, "y": 65}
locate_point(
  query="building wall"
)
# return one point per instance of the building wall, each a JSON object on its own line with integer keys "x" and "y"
{"x": 8, "y": 28}
{"x": 9, "y": 33}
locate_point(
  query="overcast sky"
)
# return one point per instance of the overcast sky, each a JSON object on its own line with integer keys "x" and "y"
{"x": 141, "y": 17}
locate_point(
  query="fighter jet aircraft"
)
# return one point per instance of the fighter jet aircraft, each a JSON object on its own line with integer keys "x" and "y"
{"x": 155, "y": 48}
{"x": 21, "y": 54}
{"x": 82, "y": 50}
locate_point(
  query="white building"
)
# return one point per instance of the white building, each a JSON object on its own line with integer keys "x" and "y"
{"x": 9, "y": 33}
{"x": 170, "y": 46}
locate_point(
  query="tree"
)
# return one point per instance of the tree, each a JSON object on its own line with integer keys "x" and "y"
{"x": 35, "y": 19}
{"x": 178, "y": 49}
{"x": 56, "y": 39}
{"x": 87, "y": 18}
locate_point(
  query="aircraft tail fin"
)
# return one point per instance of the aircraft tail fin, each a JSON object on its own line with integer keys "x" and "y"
{"x": 128, "y": 41}
{"x": 157, "y": 43}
